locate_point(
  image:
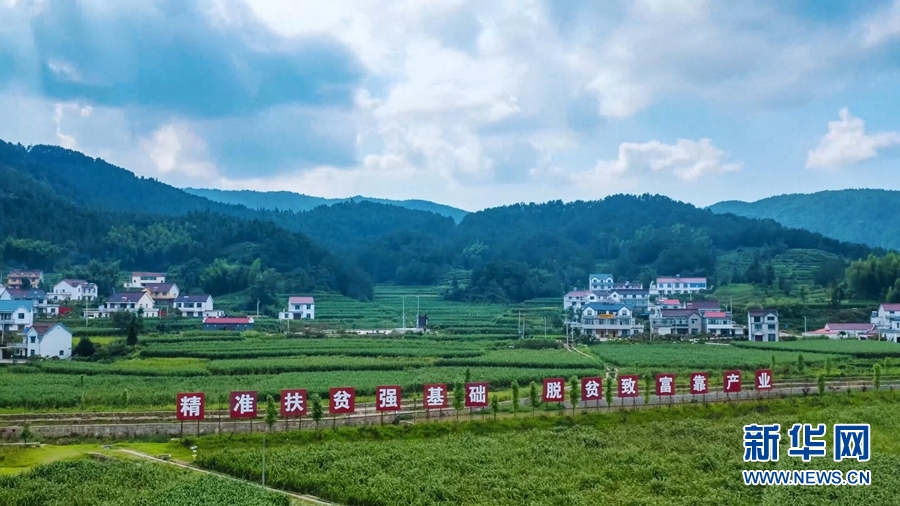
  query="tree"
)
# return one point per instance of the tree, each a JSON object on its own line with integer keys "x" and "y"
{"x": 459, "y": 398}
{"x": 574, "y": 392}
{"x": 515, "y": 398}
{"x": 648, "y": 383}
{"x": 271, "y": 412}
{"x": 533, "y": 397}
{"x": 801, "y": 365}
{"x": 122, "y": 319}
{"x": 132, "y": 338}
{"x": 84, "y": 348}
{"x": 608, "y": 392}
{"x": 495, "y": 405}
{"x": 26, "y": 434}
{"x": 468, "y": 375}
{"x": 316, "y": 409}
{"x": 820, "y": 383}
{"x": 877, "y": 380}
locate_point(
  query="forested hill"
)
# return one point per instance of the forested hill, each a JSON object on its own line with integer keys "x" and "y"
{"x": 862, "y": 216}
{"x": 61, "y": 210}
{"x": 290, "y": 201}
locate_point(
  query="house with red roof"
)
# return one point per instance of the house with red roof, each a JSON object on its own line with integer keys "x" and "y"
{"x": 300, "y": 307}
{"x": 846, "y": 331}
{"x": 46, "y": 340}
{"x": 887, "y": 320}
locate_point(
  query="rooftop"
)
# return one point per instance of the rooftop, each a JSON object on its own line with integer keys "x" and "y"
{"x": 301, "y": 300}
{"x": 159, "y": 287}
{"x": 192, "y": 298}
{"x": 762, "y": 312}
{"x": 12, "y": 305}
{"x": 79, "y": 282}
{"x": 838, "y": 327}
{"x": 148, "y": 274}
{"x": 891, "y": 307}
{"x": 228, "y": 320}
{"x": 679, "y": 279}
{"x": 126, "y": 296}
{"x": 18, "y": 273}
{"x": 26, "y": 293}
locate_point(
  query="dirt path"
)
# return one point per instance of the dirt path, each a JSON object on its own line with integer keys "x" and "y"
{"x": 304, "y": 499}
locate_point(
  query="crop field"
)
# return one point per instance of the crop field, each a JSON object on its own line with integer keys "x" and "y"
{"x": 695, "y": 356}
{"x": 659, "y": 457}
{"x": 88, "y": 482}
{"x": 851, "y": 347}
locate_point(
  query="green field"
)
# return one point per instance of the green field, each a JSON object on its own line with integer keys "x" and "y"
{"x": 683, "y": 456}
{"x": 851, "y": 347}
{"x": 87, "y": 482}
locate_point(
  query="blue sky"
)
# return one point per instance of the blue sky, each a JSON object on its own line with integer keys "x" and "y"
{"x": 466, "y": 103}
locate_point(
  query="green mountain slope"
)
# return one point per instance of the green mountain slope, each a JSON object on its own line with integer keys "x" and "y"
{"x": 862, "y": 216}
{"x": 290, "y": 201}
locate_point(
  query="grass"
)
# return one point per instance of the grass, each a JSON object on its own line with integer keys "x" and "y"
{"x": 14, "y": 459}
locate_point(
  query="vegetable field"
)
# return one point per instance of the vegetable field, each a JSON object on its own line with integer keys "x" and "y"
{"x": 119, "y": 483}
{"x": 694, "y": 459}
{"x": 695, "y": 356}
{"x": 851, "y": 347}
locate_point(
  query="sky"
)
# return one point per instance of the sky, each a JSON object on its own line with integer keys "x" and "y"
{"x": 467, "y": 103}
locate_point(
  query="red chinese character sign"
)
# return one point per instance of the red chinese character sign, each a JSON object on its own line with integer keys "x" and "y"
{"x": 628, "y": 385}
{"x": 435, "y": 396}
{"x": 343, "y": 400}
{"x": 665, "y": 384}
{"x": 699, "y": 383}
{"x": 731, "y": 382}
{"x": 476, "y": 395}
{"x": 293, "y": 403}
{"x": 242, "y": 404}
{"x": 554, "y": 390}
{"x": 189, "y": 406}
{"x": 387, "y": 398}
{"x": 764, "y": 379}
{"x": 591, "y": 389}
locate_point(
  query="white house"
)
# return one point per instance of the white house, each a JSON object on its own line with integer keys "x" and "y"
{"x": 47, "y": 340}
{"x": 126, "y": 301}
{"x": 196, "y": 306}
{"x": 666, "y": 286}
{"x": 74, "y": 289}
{"x": 600, "y": 282}
{"x": 299, "y": 308}
{"x": 846, "y": 331}
{"x": 577, "y": 299}
{"x": 762, "y": 325}
{"x": 15, "y": 314}
{"x": 162, "y": 292}
{"x": 602, "y": 321}
{"x": 887, "y": 320}
{"x": 142, "y": 279}
{"x": 41, "y": 305}
{"x": 631, "y": 297}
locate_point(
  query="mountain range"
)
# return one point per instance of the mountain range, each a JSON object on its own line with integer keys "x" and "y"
{"x": 290, "y": 201}
{"x": 70, "y": 213}
{"x": 866, "y": 216}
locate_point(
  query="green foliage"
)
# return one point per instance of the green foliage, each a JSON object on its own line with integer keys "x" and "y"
{"x": 271, "y": 412}
{"x": 119, "y": 482}
{"x": 801, "y": 364}
{"x": 690, "y": 356}
{"x": 131, "y": 338}
{"x": 574, "y": 392}
{"x": 534, "y": 398}
{"x": 848, "y": 347}
{"x": 495, "y": 405}
{"x": 317, "y": 412}
{"x": 459, "y": 397}
{"x": 26, "y": 433}
{"x": 876, "y": 277}
{"x": 820, "y": 384}
{"x": 85, "y": 348}
{"x": 515, "y": 397}
{"x": 876, "y": 382}
{"x": 609, "y": 391}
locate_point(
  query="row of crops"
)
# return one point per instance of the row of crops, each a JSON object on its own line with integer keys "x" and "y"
{"x": 89, "y": 482}
{"x": 684, "y": 461}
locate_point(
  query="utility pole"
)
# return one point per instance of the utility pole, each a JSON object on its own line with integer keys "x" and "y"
{"x": 417, "y": 311}
{"x": 404, "y": 311}
{"x": 804, "y": 325}
{"x": 545, "y": 328}
{"x": 264, "y": 462}
{"x": 257, "y": 308}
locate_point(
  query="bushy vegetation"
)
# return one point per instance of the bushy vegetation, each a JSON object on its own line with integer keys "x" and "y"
{"x": 119, "y": 483}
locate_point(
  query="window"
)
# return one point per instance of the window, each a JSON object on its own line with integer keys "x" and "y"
{"x": 772, "y": 337}
{"x": 61, "y": 353}
{"x": 33, "y": 339}
{"x": 21, "y": 316}
{"x": 308, "y": 306}
{"x": 32, "y": 353}
{"x": 771, "y": 326}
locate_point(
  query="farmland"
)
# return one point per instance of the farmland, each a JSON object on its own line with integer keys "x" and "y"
{"x": 679, "y": 456}
{"x": 124, "y": 482}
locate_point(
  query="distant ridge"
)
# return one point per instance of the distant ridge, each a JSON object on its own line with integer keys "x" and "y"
{"x": 863, "y": 216}
{"x": 290, "y": 201}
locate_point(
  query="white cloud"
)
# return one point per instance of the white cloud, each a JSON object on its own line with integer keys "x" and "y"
{"x": 59, "y": 112}
{"x": 175, "y": 150}
{"x": 883, "y": 26}
{"x": 686, "y": 159}
{"x": 847, "y": 143}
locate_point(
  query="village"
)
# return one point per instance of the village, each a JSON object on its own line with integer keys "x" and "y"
{"x": 32, "y": 321}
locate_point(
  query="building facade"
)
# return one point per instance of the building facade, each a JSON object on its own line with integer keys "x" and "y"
{"x": 225, "y": 323}
{"x": 299, "y": 308}
{"x": 132, "y": 302}
{"x": 45, "y": 340}
{"x": 15, "y": 315}
{"x": 666, "y": 286}
{"x": 41, "y": 304}
{"x": 74, "y": 289}
{"x": 196, "y": 306}
{"x": 762, "y": 325}
{"x": 604, "y": 320}
{"x": 19, "y": 279}
{"x": 598, "y": 282}
{"x": 142, "y": 279}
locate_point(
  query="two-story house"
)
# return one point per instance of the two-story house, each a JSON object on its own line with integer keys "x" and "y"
{"x": 46, "y": 340}
{"x": 41, "y": 304}
{"x": 24, "y": 278}
{"x": 603, "y": 320}
{"x": 762, "y": 325}
{"x": 15, "y": 315}
{"x": 576, "y": 299}
{"x": 162, "y": 293}
{"x": 634, "y": 298}
{"x": 666, "y": 286}
{"x": 677, "y": 322}
{"x": 74, "y": 289}
{"x": 299, "y": 308}
{"x": 597, "y": 282}
{"x": 887, "y": 321}
{"x": 196, "y": 306}
{"x": 132, "y": 302}
{"x": 142, "y": 279}
{"x": 669, "y": 304}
